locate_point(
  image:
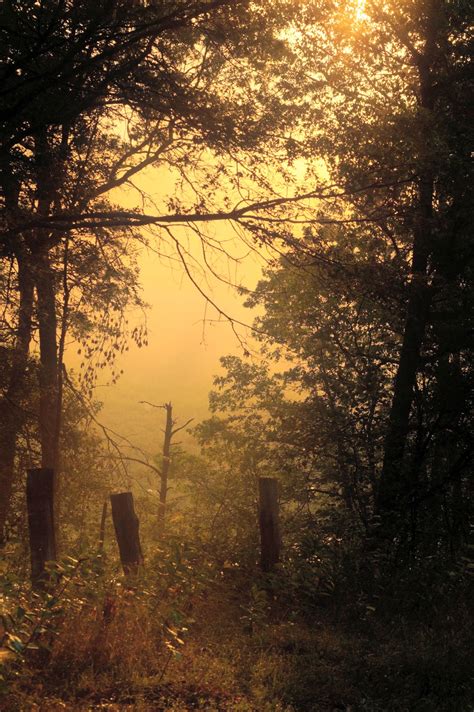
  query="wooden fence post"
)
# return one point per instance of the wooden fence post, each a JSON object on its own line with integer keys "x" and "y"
{"x": 269, "y": 523}
{"x": 40, "y": 505}
{"x": 126, "y": 530}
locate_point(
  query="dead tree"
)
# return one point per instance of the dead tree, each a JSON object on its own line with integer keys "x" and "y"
{"x": 165, "y": 468}
{"x": 169, "y": 432}
{"x": 126, "y": 527}
{"x": 269, "y": 523}
{"x": 40, "y": 504}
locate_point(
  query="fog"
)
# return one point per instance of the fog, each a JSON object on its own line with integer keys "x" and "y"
{"x": 186, "y": 338}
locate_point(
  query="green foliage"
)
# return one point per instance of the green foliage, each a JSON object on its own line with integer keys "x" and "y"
{"x": 88, "y": 616}
{"x": 84, "y": 480}
{"x": 30, "y": 621}
{"x": 256, "y": 612}
{"x": 226, "y": 97}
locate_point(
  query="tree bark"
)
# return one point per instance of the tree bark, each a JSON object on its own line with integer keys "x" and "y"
{"x": 12, "y": 415}
{"x": 48, "y": 376}
{"x": 395, "y": 484}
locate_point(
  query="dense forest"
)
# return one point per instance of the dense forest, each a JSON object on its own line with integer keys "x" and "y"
{"x": 312, "y": 549}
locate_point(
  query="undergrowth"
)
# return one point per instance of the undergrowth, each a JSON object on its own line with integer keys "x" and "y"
{"x": 186, "y": 635}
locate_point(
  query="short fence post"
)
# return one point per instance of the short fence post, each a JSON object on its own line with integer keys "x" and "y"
{"x": 40, "y": 505}
{"x": 269, "y": 523}
{"x": 126, "y": 530}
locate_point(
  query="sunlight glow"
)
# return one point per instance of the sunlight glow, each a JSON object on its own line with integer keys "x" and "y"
{"x": 360, "y": 11}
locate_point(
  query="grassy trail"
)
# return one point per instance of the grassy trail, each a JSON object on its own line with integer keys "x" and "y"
{"x": 239, "y": 656}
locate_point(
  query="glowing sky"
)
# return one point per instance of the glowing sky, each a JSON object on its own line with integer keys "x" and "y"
{"x": 183, "y": 352}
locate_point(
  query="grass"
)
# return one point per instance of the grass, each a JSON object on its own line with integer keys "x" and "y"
{"x": 242, "y": 654}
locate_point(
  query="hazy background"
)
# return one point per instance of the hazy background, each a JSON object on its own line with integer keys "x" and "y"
{"x": 186, "y": 338}
{"x": 182, "y": 355}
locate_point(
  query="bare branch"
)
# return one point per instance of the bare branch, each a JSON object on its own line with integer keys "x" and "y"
{"x": 181, "y": 427}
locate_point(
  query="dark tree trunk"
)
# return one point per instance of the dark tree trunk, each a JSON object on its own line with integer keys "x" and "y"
{"x": 46, "y": 193}
{"x": 396, "y": 485}
{"x": 12, "y": 415}
{"x": 48, "y": 377}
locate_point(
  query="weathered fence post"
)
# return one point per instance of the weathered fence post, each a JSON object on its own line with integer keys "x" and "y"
{"x": 269, "y": 523}
{"x": 126, "y": 530}
{"x": 40, "y": 505}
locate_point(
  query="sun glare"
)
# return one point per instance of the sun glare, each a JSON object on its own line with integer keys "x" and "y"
{"x": 360, "y": 14}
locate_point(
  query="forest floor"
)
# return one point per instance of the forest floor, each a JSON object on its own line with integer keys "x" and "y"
{"x": 247, "y": 659}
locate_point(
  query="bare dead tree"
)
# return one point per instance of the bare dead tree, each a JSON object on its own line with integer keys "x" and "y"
{"x": 169, "y": 432}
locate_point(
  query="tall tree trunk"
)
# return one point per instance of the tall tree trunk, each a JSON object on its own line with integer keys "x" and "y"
{"x": 48, "y": 376}
{"x": 49, "y": 404}
{"x": 48, "y": 172}
{"x": 11, "y": 413}
{"x": 393, "y": 485}
{"x": 395, "y": 482}
{"x": 451, "y": 331}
